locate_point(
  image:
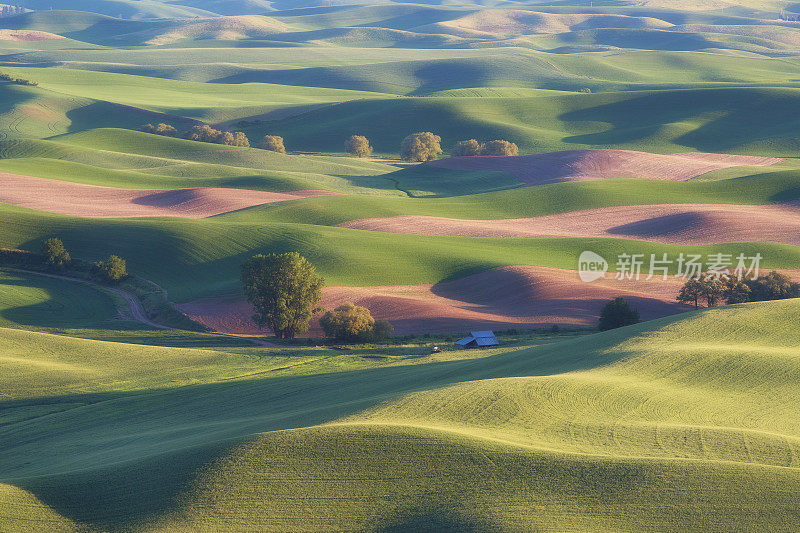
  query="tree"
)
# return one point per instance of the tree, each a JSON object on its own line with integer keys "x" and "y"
{"x": 284, "y": 289}
{"x": 712, "y": 288}
{"x": 422, "y": 146}
{"x": 499, "y": 147}
{"x": 160, "y": 129}
{"x": 617, "y": 313}
{"x": 112, "y": 270}
{"x": 348, "y": 322}
{"x": 358, "y": 145}
{"x": 272, "y": 143}
{"x": 736, "y": 291}
{"x": 468, "y": 148}
{"x": 56, "y": 256}
{"x": 234, "y": 139}
{"x": 240, "y": 139}
{"x": 203, "y": 133}
{"x": 165, "y": 130}
{"x": 691, "y": 292}
{"x": 382, "y": 330}
{"x": 773, "y": 286}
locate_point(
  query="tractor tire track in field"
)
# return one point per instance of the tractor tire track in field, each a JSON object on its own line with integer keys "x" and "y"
{"x": 135, "y": 308}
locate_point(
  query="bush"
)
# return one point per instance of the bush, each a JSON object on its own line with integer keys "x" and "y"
{"x": 468, "y": 148}
{"x": 616, "y": 314}
{"x": 499, "y": 147}
{"x": 358, "y": 145}
{"x": 112, "y": 270}
{"x": 348, "y": 322}
{"x": 422, "y": 146}
{"x": 273, "y": 143}
{"x": 56, "y": 256}
{"x": 284, "y": 289}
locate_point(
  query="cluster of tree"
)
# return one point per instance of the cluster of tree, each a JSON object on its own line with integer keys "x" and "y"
{"x": 358, "y": 146}
{"x": 616, "y": 314}
{"x": 284, "y": 290}
{"x": 207, "y": 134}
{"x": 712, "y": 289}
{"x": 471, "y": 148}
{"x": 18, "y": 81}
{"x": 166, "y": 130}
{"x": 57, "y": 259}
{"x": 421, "y": 146}
{"x": 9, "y": 11}
{"x": 350, "y": 322}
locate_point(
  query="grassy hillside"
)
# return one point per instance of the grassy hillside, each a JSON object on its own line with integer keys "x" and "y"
{"x": 736, "y": 120}
{"x": 193, "y": 258}
{"x": 201, "y": 101}
{"x": 34, "y": 301}
{"x": 605, "y": 430}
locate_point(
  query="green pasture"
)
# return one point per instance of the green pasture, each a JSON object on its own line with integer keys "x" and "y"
{"x": 603, "y": 431}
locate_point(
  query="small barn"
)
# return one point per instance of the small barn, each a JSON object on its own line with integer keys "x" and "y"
{"x": 478, "y": 339}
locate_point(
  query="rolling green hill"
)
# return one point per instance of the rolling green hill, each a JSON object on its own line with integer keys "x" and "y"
{"x": 194, "y": 258}
{"x": 685, "y": 423}
{"x": 602, "y": 432}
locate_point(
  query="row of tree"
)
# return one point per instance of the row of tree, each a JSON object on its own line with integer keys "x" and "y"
{"x": 285, "y": 291}
{"x": 57, "y": 259}
{"x": 714, "y": 289}
{"x": 427, "y": 146}
{"x": 472, "y": 148}
{"x": 18, "y": 81}
{"x": 417, "y": 147}
{"x": 711, "y": 290}
{"x": 207, "y": 134}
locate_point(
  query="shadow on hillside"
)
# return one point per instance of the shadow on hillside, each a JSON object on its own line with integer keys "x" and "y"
{"x": 726, "y": 119}
{"x": 109, "y": 115}
{"x": 152, "y": 443}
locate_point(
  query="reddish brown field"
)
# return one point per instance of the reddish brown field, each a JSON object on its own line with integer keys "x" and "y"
{"x": 517, "y": 296}
{"x": 27, "y": 35}
{"x": 671, "y": 223}
{"x": 91, "y": 201}
{"x": 601, "y": 164}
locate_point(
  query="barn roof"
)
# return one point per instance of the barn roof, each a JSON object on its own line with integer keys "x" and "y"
{"x": 481, "y": 338}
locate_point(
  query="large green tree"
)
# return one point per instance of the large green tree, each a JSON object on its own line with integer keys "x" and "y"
{"x": 284, "y": 289}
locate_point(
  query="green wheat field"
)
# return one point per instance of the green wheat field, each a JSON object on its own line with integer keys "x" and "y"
{"x": 111, "y": 423}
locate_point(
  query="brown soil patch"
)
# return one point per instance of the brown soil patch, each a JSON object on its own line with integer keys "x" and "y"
{"x": 27, "y": 36}
{"x": 671, "y": 223}
{"x": 81, "y": 200}
{"x": 602, "y": 164}
{"x": 517, "y": 296}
